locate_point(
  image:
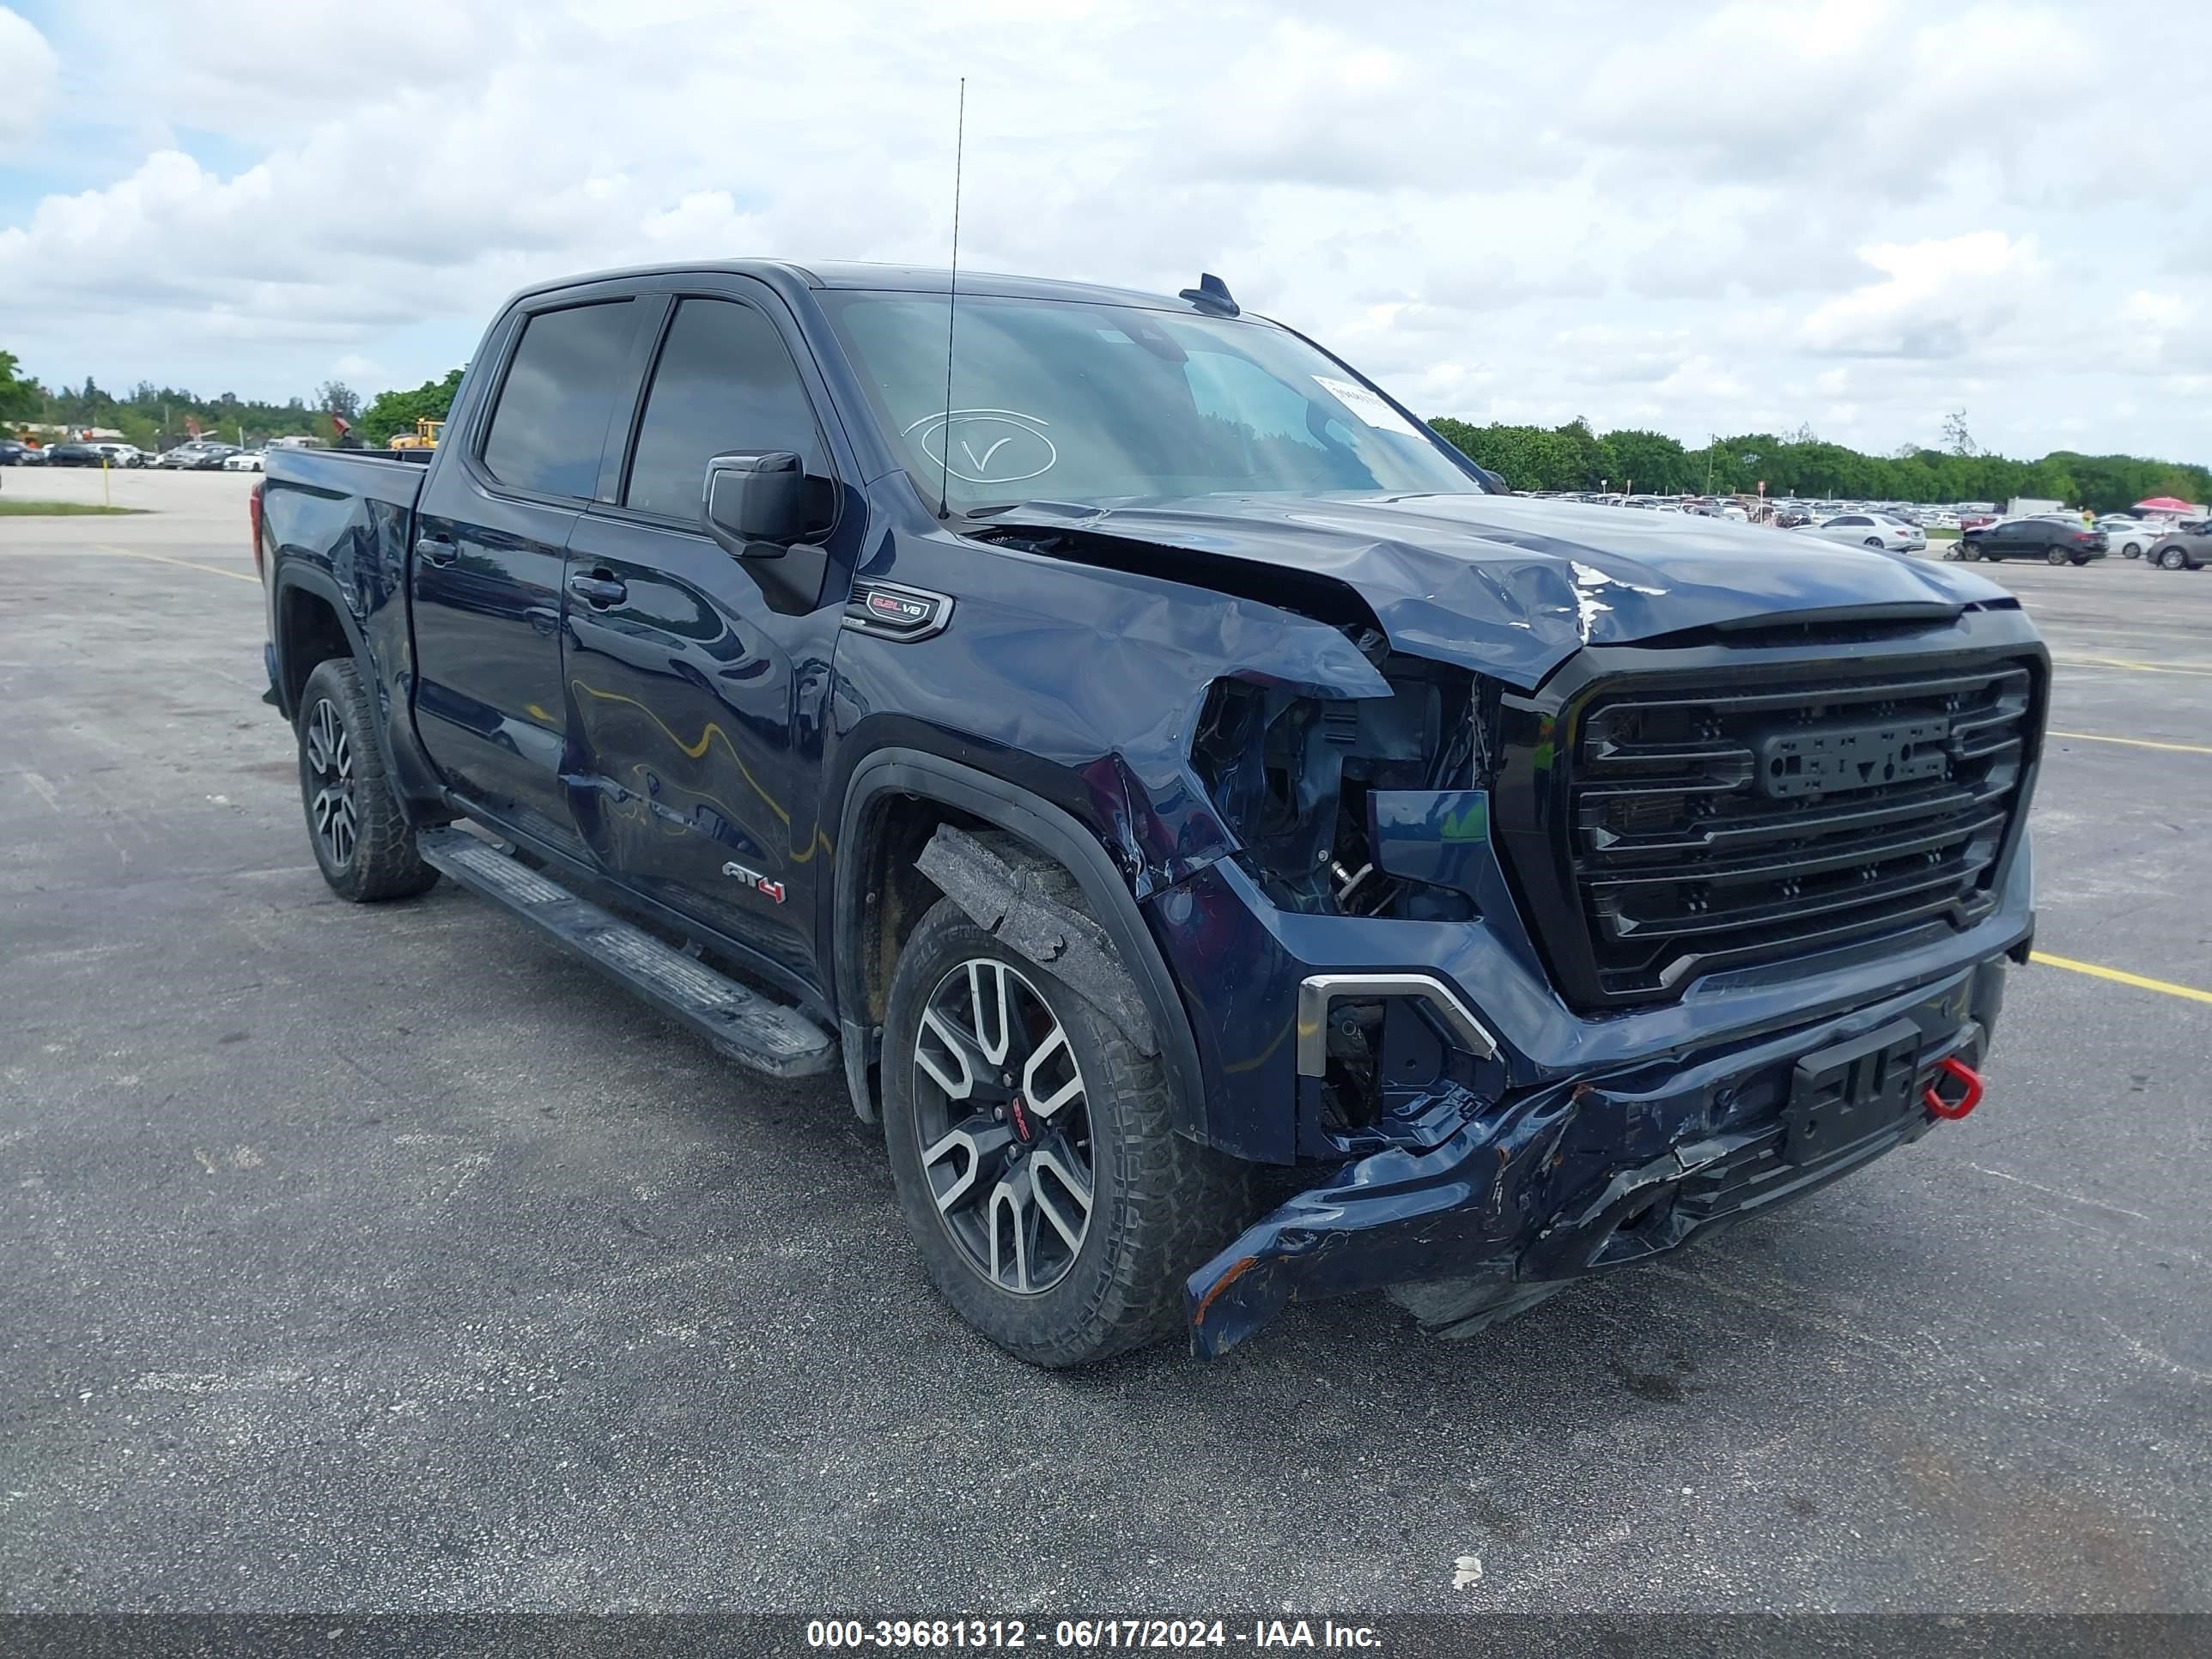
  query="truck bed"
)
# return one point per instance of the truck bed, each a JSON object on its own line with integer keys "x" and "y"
{"x": 374, "y": 475}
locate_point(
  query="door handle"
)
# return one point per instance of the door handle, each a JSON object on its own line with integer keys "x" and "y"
{"x": 436, "y": 549}
{"x": 600, "y": 590}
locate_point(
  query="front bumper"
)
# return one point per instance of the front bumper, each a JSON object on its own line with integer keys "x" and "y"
{"x": 1575, "y": 1177}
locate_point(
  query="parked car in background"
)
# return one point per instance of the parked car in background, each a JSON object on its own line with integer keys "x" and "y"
{"x": 2183, "y": 549}
{"x": 74, "y": 455}
{"x": 1870, "y": 530}
{"x": 124, "y": 454}
{"x": 200, "y": 455}
{"x": 1793, "y": 518}
{"x": 2127, "y": 536}
{"x": 13, "y": 452}
{"x": 247, "y": 460}
{"x": 2055, "y": 541}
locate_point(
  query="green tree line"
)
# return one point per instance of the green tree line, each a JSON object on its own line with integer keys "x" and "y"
{"x": 157, "y": 416}
{"x": 394, "y": 412}
{"x": 1570, "y": 457}
{"x": 1573, "y": 457}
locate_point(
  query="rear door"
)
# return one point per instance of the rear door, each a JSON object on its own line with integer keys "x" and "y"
{"x": 696, "y": 679}
{"x": 491, "y": 538}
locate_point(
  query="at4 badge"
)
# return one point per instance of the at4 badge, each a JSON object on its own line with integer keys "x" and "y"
{"x": 753, "y": 878}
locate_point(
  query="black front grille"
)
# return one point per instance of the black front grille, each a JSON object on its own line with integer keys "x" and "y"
{"x": 1737, "y": 821}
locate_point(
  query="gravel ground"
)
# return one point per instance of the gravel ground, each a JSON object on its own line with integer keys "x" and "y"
{"x": 388, "y": 1259}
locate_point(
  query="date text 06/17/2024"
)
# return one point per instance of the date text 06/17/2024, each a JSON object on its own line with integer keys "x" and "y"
{"x": 1087, "y": 1634}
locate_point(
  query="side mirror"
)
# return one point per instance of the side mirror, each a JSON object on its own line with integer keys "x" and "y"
{"x": 756, "y": 503}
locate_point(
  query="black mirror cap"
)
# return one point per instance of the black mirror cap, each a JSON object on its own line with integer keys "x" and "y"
{"x": 755, "y": 501}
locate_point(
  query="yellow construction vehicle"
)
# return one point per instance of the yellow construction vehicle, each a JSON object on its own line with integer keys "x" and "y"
{"x": 424, "y": 436}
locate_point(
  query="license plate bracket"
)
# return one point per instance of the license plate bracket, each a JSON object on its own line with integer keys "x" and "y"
{"x": 1840, "y": 1095}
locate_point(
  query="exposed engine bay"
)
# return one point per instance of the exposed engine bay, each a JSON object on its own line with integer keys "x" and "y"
{"x": 1292, "y": 774}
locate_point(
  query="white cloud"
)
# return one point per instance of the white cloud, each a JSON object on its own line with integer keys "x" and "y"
{"x": 30, "y": 74}
{"x": 1938, "y": 298}
{"x": 1696, "y": 217}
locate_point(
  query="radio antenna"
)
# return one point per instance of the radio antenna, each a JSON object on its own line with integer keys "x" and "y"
{"x": 952, "y": 304}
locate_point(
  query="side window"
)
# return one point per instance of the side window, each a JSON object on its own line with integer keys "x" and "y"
{"x": 549, "y": 433}
{"x": 724, "y": 383}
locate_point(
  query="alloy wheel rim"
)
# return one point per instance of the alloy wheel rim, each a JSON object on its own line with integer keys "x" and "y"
{"x": 1003, "y": 1120}
{"x": 328, "y": 751}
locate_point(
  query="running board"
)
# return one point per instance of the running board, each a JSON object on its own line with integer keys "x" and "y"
{"x": 751, "y": 1029}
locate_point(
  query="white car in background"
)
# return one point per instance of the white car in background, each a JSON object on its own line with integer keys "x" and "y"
{"x": 1870, "y": 530}
{"x": 124, "y": 454}
{"x": 247, "y": 460}
{"x": 2129, "y": 537}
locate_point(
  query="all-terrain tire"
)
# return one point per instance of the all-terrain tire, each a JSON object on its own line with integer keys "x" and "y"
{"x": 1161, "y": 1205}
{"x": 378, "y": 860}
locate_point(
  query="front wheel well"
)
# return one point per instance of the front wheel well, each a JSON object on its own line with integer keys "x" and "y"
{"x": 895, "y": 895}
{"x": 309, "y": 634}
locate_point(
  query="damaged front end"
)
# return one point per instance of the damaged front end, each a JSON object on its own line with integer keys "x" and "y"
{"x": 1564, "y": 909}
{"x": 1553, "y": 1184}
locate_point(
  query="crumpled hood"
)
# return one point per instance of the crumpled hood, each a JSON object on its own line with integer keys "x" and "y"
{"x": 1512, "y": 587}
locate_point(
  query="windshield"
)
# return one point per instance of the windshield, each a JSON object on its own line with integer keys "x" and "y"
{"x": 1069, "y": 401}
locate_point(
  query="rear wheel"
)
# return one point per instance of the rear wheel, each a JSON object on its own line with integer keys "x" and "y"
{"x": 361, "y": 838}
{"x": 1874, "y": 542}
{"x": 1033, "y": 1147}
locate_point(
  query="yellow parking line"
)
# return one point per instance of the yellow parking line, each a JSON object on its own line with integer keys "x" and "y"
{"x": 163, "y": 558}
{"x": 2135, "y": 743}
{"x": 2121, "y": 977}
{"x": 2131, "y": 663}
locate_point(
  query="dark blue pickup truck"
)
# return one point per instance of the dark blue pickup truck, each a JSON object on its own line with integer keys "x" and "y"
{"x": 1237, "y": 853}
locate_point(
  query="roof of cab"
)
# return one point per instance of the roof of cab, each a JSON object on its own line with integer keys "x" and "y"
{"x": 909, "y": 279}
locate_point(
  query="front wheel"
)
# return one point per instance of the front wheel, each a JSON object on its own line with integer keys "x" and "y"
{"x": 2173, "y": 559}
{"x": 362, "y": 840}
{"x": 2131, "y": 551}
{"x": 2056, "y": 555}
{"x": 1034, "y": 1151}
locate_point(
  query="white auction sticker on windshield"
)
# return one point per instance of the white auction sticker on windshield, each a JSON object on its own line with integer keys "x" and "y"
{"x": 1366, "y": 405}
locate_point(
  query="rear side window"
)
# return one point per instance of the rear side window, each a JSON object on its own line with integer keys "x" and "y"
{"x": 549, "y": 431}
{"x": 725, "y": 383}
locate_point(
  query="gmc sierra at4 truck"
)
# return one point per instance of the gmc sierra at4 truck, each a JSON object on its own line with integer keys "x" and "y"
{"x": 1159, "y": 772}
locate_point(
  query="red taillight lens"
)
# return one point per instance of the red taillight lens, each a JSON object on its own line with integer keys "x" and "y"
{"x": 253, "y": 516}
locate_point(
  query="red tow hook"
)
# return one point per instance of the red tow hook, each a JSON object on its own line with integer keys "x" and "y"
{"x": 1967, "y": 1077}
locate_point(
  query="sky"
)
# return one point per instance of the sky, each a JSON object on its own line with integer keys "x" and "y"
{"x": 1855, "y": 216}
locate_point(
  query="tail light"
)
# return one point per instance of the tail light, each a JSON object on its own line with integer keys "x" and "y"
{"x": 253, "y": 516}
{"x": 2084, "y": 535}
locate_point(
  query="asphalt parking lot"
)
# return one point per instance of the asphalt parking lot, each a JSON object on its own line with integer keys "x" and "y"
{"x": 388, "y": 1259}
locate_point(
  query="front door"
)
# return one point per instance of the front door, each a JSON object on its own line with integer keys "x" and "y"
{"x": 491, "y": 538}
{"x": 696, "y": 679}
